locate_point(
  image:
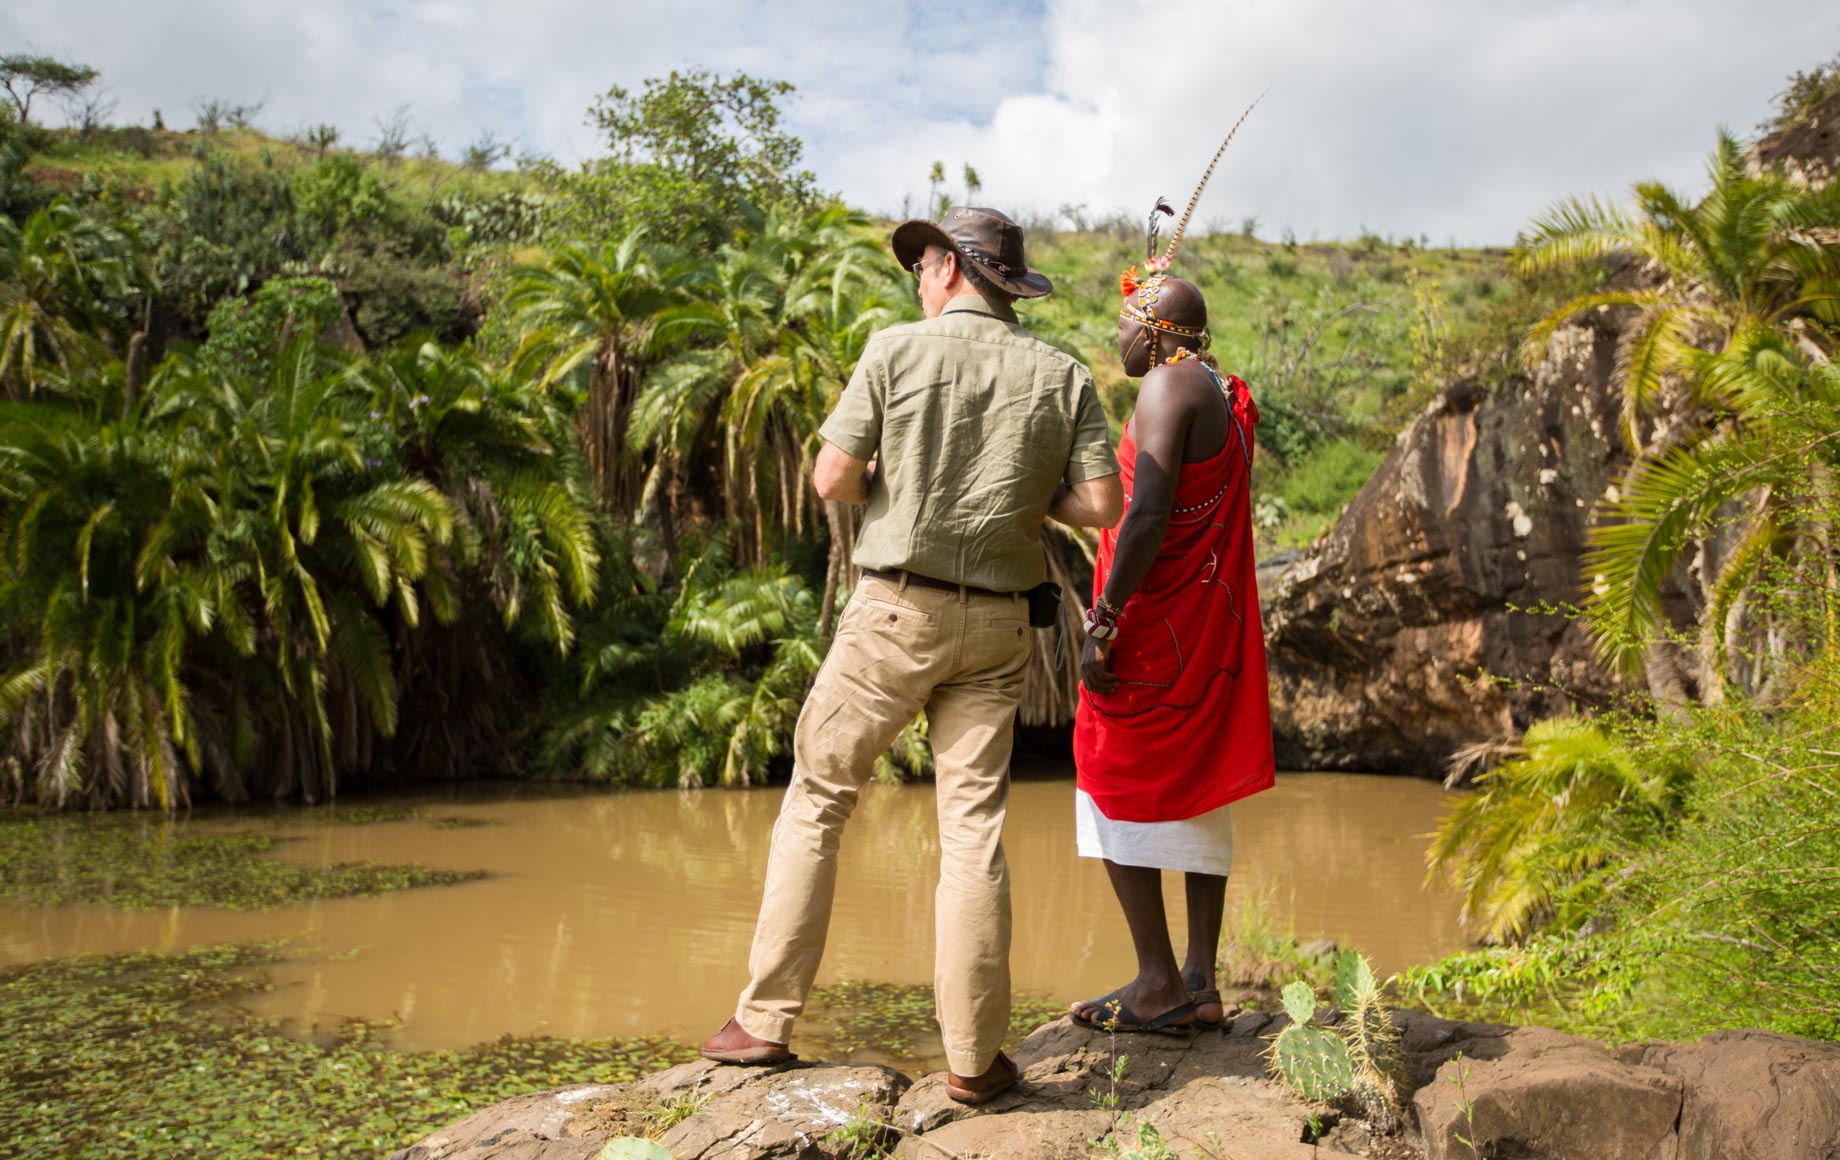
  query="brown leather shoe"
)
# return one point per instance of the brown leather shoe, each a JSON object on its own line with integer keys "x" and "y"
{"x": 733, "y": 1044}
{"x": 981, "y": 1089}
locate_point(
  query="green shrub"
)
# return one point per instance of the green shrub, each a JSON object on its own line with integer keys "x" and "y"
{"x": 1728, "y": 915}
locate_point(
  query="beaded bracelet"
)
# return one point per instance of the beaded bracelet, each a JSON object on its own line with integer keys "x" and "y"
{"x": 1102, "y": 620}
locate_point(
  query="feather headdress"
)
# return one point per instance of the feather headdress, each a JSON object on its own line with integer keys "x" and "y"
{"x": 1155, "y": 265}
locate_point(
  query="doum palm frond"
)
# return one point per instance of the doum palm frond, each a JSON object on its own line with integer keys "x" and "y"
{"x": 1577, "y": 230}
{"x": 1662, "y": 505}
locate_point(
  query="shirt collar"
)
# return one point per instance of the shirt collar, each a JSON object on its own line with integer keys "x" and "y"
{"x": 978, "y": 304}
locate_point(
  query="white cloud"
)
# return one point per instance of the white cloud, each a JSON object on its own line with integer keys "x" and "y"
{"x": 1435, "y": 117}
{"x": 1422, "y": 116}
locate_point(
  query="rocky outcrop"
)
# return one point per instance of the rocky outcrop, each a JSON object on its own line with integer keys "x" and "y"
{"x": 1430, "y": 615}
{"x": 1810, "y": 148}
{"x": 1526, "y": 1092}
{"x": 1404, "y": 633}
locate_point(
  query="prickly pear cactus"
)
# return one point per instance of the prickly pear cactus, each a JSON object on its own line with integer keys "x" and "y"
{"x": 1356, "y": 1055}
{"x": 1372, "y": 1039}
{"x": 1313, "y": 1061}
{"x": 1300, "y": 1002}
{"x": 1353, "y": 979}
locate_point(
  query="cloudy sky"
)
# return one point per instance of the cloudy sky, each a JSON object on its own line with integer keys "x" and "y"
{"x": 1451, "y": 119}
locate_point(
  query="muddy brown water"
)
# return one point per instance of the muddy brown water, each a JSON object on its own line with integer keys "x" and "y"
{"x": 630, "y": 913}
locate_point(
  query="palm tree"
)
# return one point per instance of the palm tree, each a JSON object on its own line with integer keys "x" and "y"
{"x": 324, "y": 539}
{"x": 495, "y": 451}
{"x": 1743, "y": 319}
{"x": 777, "y": 324}
{"x": 61, "y": 275}
{"x": 594, "y": 309}
{"x": 98, "y": 707}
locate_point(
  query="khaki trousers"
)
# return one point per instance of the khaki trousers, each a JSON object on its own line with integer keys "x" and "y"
{"x": 901, "y": 649}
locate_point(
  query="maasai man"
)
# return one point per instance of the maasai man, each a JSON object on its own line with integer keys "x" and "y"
{"x": 1174, "y": 721}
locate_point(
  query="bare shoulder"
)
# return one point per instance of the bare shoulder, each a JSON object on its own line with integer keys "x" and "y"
{"x": 1178, "y": 386}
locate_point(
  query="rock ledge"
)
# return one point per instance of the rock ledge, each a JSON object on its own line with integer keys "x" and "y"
{"x": 1526, "y": 1092}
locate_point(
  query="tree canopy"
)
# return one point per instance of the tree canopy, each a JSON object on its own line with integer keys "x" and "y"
{"x": 689, "y": 154}
{"x": 26, "y": 76}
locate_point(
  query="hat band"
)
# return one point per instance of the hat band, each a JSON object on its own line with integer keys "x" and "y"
{"x": 983, "y": 259}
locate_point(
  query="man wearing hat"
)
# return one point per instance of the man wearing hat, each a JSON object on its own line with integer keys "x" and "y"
{"x": 960, "y": 433}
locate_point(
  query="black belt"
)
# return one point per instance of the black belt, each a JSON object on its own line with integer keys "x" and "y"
{"x": 916, "y": 580}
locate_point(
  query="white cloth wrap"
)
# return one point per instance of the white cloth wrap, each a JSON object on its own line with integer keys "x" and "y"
{"x": 1202, "y": 844}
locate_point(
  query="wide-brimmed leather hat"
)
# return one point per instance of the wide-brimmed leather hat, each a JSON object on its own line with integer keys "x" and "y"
{"x": 985, "y": 238}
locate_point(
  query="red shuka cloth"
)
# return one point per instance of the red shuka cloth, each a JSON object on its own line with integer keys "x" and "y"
{"x": 1189, "y": 727}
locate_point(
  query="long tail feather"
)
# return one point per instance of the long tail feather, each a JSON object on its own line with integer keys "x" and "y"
{"x": 1175, "y": 239}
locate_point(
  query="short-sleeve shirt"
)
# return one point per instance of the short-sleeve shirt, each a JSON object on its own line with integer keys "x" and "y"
{"x": 975, "y": 423}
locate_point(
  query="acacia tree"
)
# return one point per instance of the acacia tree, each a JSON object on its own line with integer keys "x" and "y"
{"x": 25, "y": 77}
{"x": 688, "y": 156}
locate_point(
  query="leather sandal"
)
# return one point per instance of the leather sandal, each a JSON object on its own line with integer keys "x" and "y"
{"x": 1117, "y": 1017}
{"x": 1201, "y": 997}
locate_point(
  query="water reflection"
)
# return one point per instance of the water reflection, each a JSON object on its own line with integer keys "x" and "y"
{"x": 619, "y": 914}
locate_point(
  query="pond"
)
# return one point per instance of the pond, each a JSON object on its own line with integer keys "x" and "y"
{"x": 619, "y": 914}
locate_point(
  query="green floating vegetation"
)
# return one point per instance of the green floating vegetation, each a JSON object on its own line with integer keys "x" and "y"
{"x": 376, "y": 815}
{"x": 148, "y": 862}
{"x": 114, "y": 1056}
{"x": 898, "y": 1021}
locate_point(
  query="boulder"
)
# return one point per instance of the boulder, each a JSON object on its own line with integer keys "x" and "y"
{"x": 1401, "y": 635}
{"x": 1754, "y": 1095}
{"x": 1559, "y": 1098}
{"x": 794, "y": 1111}
{"x": 1535, "y": 1092}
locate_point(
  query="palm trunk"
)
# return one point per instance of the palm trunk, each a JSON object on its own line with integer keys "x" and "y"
{"x": 611, "y": 391}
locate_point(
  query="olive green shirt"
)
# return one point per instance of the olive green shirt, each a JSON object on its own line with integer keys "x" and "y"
{"x": 975, "y": 423}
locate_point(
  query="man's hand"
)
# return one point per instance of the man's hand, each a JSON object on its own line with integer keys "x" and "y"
{"x": 1095, "y": 671}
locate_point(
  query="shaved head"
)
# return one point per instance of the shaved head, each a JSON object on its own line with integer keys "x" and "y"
{"x": 1179, "y": 301}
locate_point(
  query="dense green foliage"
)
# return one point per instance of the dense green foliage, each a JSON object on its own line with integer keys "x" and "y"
{"x": 1720, "y": 910}
{"x": 1668, "y": 870}
{"x": 1526, "y": 844}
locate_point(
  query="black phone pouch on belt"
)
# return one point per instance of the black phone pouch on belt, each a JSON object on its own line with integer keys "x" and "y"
{"x": 1044, "y": 604}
